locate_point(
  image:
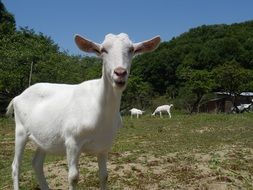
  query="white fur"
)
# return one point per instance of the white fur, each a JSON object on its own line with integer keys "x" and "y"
{"x": 242, "y": 107}
{"x": 163, "y": 108}
{"x": 71, "y": 119}
{"x": 135, "y": 111}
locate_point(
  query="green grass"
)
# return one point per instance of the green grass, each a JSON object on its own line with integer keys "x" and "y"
{"x": 202, "y": 151}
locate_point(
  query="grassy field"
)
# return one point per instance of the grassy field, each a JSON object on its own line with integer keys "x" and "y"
{"x": 200, "y": 151}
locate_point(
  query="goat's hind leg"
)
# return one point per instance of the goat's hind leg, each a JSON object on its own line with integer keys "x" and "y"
{"x": 37, "y": 163}
{"x": 20, "y": 142}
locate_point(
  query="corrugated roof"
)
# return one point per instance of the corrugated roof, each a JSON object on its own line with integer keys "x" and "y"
{"x": 246, "y": 94}
{"x": 242, "y": 94}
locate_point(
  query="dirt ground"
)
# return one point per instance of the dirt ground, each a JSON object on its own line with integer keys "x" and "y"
{"x": 175, "y": 171}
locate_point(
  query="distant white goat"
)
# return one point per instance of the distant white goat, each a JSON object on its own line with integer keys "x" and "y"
{"x": 163, "y": 108}
{"x": 136, "y": 112}
{"x": 71, "y": 119}
{"x": 241, "y": 108}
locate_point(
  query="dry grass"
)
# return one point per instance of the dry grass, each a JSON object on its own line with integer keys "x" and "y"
{"x": 186, "y": 152}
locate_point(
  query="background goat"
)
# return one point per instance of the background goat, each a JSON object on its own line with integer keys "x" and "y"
{"x": 70, "y": 119}
{"x": 135, "y": 111}
{"x": 163, "y": 108}
{"x": 242, "y": 108}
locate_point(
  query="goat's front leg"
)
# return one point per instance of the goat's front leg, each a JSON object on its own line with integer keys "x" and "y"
{"x": 169, "y": 114}
{"x": 73, "y": 153}
{"x": 161, "y": 114}
{"x": 103, "y": 175}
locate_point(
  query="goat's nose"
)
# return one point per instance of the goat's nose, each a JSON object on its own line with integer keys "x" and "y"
{"x": 120, "y": 72}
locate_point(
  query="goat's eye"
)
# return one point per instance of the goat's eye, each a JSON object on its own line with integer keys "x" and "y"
{"x": 103, "y": 50}
{"x": 131, "y": 50}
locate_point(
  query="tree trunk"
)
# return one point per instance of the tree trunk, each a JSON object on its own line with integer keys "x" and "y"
{"x": 195, "y": 107}
{"x": 234, "y": 101}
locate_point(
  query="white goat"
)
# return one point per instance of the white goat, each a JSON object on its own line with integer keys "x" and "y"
{"x": 241, "y": 108}
{"x": 136, "y": 112}
{"x": 163, "y": 108}
{"x": 71, "y": 119}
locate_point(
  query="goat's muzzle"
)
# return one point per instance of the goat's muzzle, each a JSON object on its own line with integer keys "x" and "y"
{"x": 121, "y": 74}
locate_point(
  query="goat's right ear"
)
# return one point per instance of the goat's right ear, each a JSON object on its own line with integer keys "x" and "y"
{"x": 87, "y": 45}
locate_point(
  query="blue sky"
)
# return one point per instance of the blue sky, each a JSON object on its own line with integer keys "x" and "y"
{"x": 140, "y": 19}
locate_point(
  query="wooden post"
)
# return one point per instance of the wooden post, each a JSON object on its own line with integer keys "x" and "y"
{"x": 30, "y": 76}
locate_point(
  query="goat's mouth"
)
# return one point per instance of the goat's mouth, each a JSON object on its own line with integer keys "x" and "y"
{"x": 120, "y": 83}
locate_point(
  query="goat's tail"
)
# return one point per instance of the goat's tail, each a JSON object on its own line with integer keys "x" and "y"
{"x": 10, "y": 109}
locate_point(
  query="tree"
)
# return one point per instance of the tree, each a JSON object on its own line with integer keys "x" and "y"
{"x": 18, "y": 51}
{"x": 198, "y": 83}
{"x": 138, "y": 93}
{"x": 7, "y": 21}
{"x": 231, "y": 77}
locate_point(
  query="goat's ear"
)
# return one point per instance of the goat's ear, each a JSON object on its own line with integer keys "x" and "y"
{"x": 147, "y": 46}
{"x": 87, "y": 45}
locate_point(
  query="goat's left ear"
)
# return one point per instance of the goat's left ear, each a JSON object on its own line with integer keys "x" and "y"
{"x": 147, "y": 46}
{"x": 87, "y": 45}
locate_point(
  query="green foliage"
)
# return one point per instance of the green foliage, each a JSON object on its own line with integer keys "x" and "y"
{"x": 232, "y": 77}
{"x": 7, "y": 21}
{"x": 137, "y": 94}
{"x": 197, "y": 83}
{"x": 90, "y": 67}
{"x": 17, "y": 52}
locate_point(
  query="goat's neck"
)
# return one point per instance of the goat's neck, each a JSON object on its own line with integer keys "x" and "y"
{"x": 110, "y": 97}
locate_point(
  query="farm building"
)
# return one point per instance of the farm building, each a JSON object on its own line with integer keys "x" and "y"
{"x": 223, "y": 102}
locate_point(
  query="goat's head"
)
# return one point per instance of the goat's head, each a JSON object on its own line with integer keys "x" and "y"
{"x": 117, "y": 52}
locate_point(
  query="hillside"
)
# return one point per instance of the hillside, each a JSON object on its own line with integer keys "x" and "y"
{"x": 189, "y": 63}
{"x": 204, "y": 47}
